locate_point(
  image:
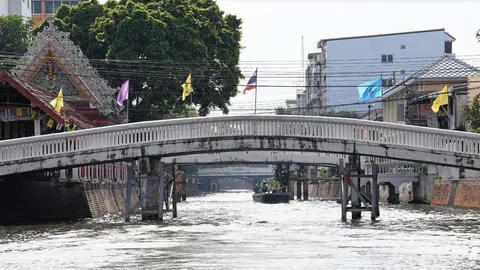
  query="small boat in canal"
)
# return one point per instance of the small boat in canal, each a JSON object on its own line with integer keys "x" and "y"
{"x": 279, "y": 197}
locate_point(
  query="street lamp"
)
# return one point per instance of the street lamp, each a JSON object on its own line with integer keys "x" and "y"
{"x": 369, "y": 106}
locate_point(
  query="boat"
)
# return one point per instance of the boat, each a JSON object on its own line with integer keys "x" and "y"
{"x": 279, "y": 197}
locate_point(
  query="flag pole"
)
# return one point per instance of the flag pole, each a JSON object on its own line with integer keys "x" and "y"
{"x": 256, "y": 90}
{"x": 128, "y": 101}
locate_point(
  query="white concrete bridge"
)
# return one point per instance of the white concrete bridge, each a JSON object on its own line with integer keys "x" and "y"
{"x": 258, "y": 157}
{"x": 240, "y": 133}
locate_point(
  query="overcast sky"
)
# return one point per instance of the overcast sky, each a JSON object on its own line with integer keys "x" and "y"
{"x": 272, "y": 31}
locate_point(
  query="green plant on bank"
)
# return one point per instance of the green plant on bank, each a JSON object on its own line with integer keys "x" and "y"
{"x": 437, "y": 177}
{"x": 471, "y": 113}
{"x": 324, "y": 173}
{"x": 462, "y": 175}
{"x": 422, "y": 168}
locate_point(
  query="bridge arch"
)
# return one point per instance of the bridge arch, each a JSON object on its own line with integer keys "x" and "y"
{"x": 240, "y": 133}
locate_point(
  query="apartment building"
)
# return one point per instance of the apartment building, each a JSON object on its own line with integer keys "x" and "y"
{"x": 42, "y": 9}
{"x": 344, "y": 63}
{"x": 19, "y": 7}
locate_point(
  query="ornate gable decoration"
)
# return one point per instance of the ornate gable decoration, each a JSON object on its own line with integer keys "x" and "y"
{"x": 71, "y": 58}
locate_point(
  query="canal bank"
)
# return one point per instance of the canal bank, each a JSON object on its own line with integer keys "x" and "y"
{"x": 461, "y": 193}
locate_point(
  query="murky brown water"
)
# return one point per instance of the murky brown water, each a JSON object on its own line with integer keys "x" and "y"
{"x": 229, "y": 231}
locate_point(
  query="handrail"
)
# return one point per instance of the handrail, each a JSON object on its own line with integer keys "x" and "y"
{"x": 315, "y": 127}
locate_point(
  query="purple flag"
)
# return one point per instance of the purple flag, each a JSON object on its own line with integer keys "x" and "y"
{"x": 123, "y": 93}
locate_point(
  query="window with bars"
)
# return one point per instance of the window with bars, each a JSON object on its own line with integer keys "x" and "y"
{"x": 51, "y": 7}
{"x": 36, "y": 7}
{"x": 387, "y": 58}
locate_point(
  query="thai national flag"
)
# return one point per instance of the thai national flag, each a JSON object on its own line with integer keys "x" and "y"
{"x": 252, "y": 83}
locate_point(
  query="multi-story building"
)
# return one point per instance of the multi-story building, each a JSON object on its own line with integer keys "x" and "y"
{"x": 19, "y": 7}
{"x": 312, "y": 84}
{"x": 42, "y": 9}
{"x": 301, "y": 101}
{"x": 348, "y": 62}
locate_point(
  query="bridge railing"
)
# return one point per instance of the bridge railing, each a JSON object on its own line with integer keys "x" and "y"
{"x": 230, "y": 126}
{"x": 395, "y": 168}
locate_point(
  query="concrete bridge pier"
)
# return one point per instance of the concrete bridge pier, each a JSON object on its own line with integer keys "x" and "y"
{"x": 152, "y": 189}
{"x": 393, "y": 194}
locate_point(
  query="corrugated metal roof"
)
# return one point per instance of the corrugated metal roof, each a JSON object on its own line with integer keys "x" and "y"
{"x": 41, "y": 99}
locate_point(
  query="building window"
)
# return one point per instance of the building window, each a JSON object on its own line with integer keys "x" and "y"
{"x": 56, "y": 6}
{"x": 72, "y": 3}
{"x": 400, "y": 112}
{"x": 49, "y": 7}
{"x": 387, "y": 58}
{"x": 36, "y": 7}
{"x": 448, "y": 47}
{"x": 403, "y": 47}
{"x": 387, "y": 82}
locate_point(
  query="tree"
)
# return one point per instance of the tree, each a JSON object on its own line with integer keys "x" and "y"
{"x": 15, "y": 36}
{"x": 156, "y": 44}
{"x": 343, "y": 114}
{"x": 471, "y": 113}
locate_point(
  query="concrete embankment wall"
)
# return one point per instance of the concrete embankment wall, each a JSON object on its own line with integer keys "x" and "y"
{"x": 44, "y": 201}
{"x": 463, "y": 193}
{"x": 330, "y": 189}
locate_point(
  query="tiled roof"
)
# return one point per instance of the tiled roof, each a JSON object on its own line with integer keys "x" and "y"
{"x": 445, "y": 68}
{"x": 42, "y": 99}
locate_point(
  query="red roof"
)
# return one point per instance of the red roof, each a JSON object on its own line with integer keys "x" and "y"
{"x": 41, "y": 99}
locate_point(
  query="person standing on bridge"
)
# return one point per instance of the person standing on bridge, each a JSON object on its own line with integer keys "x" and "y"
{"x": 71, "y": 126}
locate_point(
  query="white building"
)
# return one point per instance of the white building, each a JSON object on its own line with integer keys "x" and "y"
{"x": 348, "y": 62}
{"x": 19, "y": 7}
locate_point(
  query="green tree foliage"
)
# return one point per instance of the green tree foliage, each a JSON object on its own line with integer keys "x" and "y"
{"x": 15, "y": 36}
{"x": 471, "y": 113}
{"x": 156, "y": 44}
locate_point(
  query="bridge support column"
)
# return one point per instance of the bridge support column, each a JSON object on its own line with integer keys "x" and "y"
{"x": 305, "y": 190}
{"x": 393, "y": 194}
{"x": 345, "y": 178}
{"x": 174, "y": 190}
{"x": 356, "y": 201}
{"x": 184, "y": 189}
{"x": 152, "y": 208}
{"x": 299, "y": 189}
{"x": 375, "y": 211}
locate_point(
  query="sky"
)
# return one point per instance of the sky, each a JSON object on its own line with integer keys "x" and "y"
{"x": 273, "y": 29}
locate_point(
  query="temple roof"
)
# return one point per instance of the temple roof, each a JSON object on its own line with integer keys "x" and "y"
{"x": 73, "y": 63}
{"x": 41, "y": 99}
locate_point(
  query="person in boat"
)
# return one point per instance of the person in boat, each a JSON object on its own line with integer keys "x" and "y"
{"x": 258, "y": 188}
{"x": 275, "y": 186}
{"x": 264, "y": 187}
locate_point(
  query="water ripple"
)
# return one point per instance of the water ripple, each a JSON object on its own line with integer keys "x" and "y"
{"x": 229, "y": 231}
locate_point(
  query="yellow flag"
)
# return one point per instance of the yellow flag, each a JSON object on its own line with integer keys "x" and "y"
{"x": 57, "y": 103}
{"x": 187, "y": 87}
{"x": 19, "y": 112}
{"x": 442, "y": 99}
{"x": 50, "y": 123}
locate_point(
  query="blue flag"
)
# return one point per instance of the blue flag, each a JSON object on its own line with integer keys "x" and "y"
{"x": 369, "y": 90}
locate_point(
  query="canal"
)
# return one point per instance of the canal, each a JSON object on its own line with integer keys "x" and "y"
{"x": 228, "y": 231}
